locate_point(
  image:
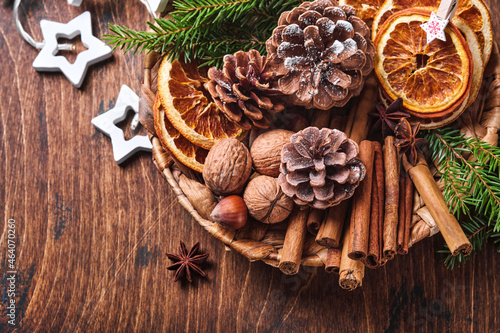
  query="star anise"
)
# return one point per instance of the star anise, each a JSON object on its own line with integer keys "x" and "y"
{"x": 187, "y": 261}
{"x": 407, "y": 141}
{"x": 387, "y": 119}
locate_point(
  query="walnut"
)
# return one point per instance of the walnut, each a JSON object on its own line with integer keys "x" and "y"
{"x": 265, "y": 200}
{"x": 227, "y": 167}
{"x": 266, "y": 151}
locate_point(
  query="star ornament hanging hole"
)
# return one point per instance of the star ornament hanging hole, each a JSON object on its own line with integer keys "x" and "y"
{"x": 48, "y": 60}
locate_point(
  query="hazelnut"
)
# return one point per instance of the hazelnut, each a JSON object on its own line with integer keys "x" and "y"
{"x": 227, "y": 167}
{"x": 265, "y": 200}
{"x": 266, "y": 151}
{"x": 230, "y": 212}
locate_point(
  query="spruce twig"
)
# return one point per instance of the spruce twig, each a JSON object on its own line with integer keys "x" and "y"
{"x": 472, "y": 186}
{"x": 205, "y": 30}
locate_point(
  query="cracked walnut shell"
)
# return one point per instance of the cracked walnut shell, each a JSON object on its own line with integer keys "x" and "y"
{"x": 266, "y": 201}
{"x": 227, "y": 167}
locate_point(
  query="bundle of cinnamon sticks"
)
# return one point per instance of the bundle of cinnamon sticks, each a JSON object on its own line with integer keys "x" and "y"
{"x": 382, "y": 207}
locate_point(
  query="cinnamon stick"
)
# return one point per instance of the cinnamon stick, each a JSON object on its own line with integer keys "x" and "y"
{"x": 377, "y": 207}
{"x": 351, "y": 271}
{"x": 358, "y": 122}
{"x": 314, "y": 220}
{"x": 330, "y": 232}
{"x": 360, "y": 217}
{"x": 401, "y": 213}
{"x": 391, "y": 165}
{"x": 320, "y": 118}
{"x": 372, "y": 256}
{"x": 338, "y": 121}
{"x": 409, "y": 189}
{"x": 332, "y": 264}
{"x": 427, "y": 187}
{"x": 291, "y": 254}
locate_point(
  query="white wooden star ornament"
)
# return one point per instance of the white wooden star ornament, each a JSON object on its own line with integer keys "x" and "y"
{"x": 47, "y": 60}
{"x": 438, "y": 21}
{"x": 106, "y": 123}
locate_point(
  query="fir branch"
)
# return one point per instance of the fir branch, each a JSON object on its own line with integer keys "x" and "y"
{"x": 476, "y": 180}
{"x": 471, "y": 186}
{"x": 205, "y": 29}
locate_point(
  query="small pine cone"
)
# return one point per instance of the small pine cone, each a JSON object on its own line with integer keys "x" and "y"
{"x": 244, "y": 90}
{"x": 323, "y": 52}
{"x": 319, "y": 168}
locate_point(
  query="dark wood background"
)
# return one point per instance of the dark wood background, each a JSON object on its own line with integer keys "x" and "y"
{"x": 92, "y": 235}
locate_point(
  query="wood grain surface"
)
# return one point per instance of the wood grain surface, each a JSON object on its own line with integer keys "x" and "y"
{"x": 91, "y": 236}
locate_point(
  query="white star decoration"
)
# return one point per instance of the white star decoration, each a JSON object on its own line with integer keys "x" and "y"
{"x": 435, "y": 28}
{"x": 47, "y": 60}
{"x": 106, "y": 122}
{"x": 75, "y": 2}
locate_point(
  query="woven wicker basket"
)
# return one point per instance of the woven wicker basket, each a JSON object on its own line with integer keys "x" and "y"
{"x": 257, "y": 241}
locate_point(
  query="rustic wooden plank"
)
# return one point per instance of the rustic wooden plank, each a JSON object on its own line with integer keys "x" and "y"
{"x": 92, "y": 236}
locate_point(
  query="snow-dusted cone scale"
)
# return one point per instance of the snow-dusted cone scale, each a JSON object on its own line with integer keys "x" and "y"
{"x": 244, "y": 89}
{"x": 319, "y": 168}
{"x": 323, "y": 52}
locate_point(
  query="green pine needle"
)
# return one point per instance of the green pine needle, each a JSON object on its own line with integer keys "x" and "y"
{"x": 205, "y": 30}
{"x": 470, "y": 171}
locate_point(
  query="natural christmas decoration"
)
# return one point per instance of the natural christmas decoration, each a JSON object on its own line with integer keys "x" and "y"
{"x": 244, "y": 89}
{"x": 186, "y": 262}
{"x": 227, "y": 167}
{"x": 266, "y": 201}
{"x": 231, "y": 212}
{"x": 407, "y": 140}
{"x": 471, "y": 186}
{"x": 405, "y": 63}
{"x": 194, "y": 31}
{"x": 316, "y": 55}
{"x": 388, "y": 118}
{"x": 319, "y": 167}
{"x": 323, "y": 51}
{"x": 473, "y": 12}
{"x": 266, "y": 151}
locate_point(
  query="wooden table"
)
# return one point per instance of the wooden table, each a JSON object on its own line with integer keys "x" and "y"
{"x": 92, "y": 235}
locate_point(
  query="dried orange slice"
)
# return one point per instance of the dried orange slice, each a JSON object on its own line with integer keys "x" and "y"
{"x": 366, "y": 10}
{"x": 477, "y": 60}
{"x": 474, "y": 12}
{"x": 189, "y": 107}
{"x": 184, "y": 150}
{"x": 433, "y": 79}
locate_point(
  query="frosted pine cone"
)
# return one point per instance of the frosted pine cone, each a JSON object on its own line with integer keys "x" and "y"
{"x": 323, "y": 51}
{"x": 319, "y": 168}
{"x": 244, "y": 91}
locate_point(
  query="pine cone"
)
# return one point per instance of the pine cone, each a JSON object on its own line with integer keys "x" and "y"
{"x": 323, "y": 51}
{"x": 244, "y": 90}
{"x": 319, "y": 168}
